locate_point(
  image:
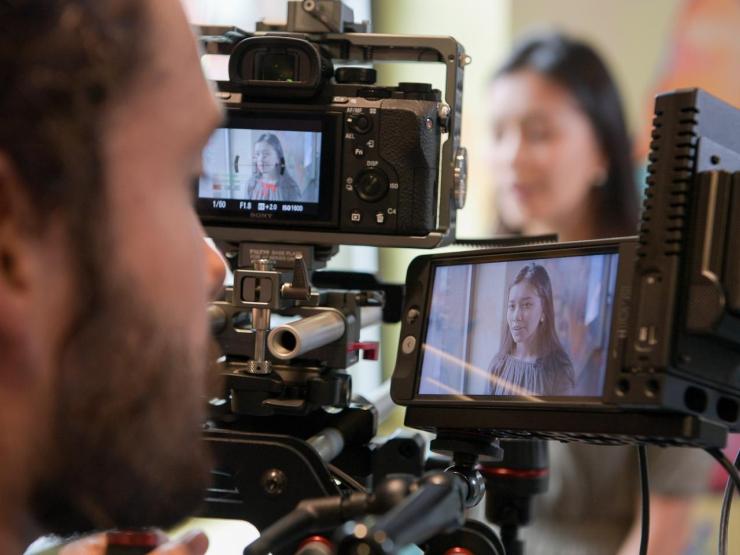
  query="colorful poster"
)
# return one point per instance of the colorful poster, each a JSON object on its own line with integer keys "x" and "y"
{"x": 703, "y": 51}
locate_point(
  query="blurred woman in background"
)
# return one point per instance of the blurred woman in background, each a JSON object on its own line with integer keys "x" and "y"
{"x": 560, "y": 155}
{"x": 560, "y": 151}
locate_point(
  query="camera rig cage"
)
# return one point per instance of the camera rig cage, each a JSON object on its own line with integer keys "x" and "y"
{"x": 286, "y": 72}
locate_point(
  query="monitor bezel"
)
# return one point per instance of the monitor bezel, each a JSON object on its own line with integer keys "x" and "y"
{"x": 421, "y": 275}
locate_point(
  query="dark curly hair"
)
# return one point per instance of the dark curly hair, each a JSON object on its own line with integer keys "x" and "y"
{"x": 63, "y": 65}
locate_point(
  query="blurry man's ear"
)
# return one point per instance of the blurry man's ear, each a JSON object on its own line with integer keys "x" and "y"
{"x": 16, "y": 273}
{"x": 15, "y": 219}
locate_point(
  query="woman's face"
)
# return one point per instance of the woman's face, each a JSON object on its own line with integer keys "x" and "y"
{"x": 524, "y": 313}
{"x": 543, "y": 151}
{"x": 266, "y": 159}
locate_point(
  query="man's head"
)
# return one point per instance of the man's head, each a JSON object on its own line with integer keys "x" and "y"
{"x": 104, "y": 275}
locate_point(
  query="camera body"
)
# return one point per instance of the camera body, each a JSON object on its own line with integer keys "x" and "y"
{"x": 379, "y": 162}
{"x": 351, "y": 162}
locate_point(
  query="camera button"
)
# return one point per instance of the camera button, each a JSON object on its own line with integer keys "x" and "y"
{"x": 355, "y": 216}
{"x": 412, "y": 316}
{"x": 340, "y": 100}
{"x": 409, "y": 344}
{"x": 359, "y": 123}
{"x": 359, "y": 152}
{"x": 380, "y": 217}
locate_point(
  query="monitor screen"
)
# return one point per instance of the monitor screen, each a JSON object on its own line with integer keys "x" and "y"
{"x": 519, "y": 328}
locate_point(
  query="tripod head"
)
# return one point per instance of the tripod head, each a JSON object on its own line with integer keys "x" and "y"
{"x": 297, "y": 366}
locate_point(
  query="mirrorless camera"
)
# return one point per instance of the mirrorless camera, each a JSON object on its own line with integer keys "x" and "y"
{"x": 311, "y": 154}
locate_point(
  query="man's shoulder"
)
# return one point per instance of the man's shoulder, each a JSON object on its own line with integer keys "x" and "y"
{"x": 55, "y": 545}
{"x": 46, "y": 546}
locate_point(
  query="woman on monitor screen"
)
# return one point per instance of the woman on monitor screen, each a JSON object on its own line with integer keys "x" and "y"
{"x": 270, "y": 180}
{"x": 531, "y": 359}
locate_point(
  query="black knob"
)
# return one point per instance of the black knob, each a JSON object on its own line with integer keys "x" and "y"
{"x": 359, "y": 123}
{"x": 361, "y": 75}
{"x": 371, "y": 185}
{"x": 415, "y": 87}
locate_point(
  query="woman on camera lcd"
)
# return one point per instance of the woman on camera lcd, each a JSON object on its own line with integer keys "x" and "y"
{"x": 531, "y": 359}
{"x": 270, "y": 180}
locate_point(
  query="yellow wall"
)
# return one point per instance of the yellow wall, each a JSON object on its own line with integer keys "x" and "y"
{"x": 483, "y": 29}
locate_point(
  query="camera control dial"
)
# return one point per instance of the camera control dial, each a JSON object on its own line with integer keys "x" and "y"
{"x": 359, "y": 123}
{"x": 371, "y": 185}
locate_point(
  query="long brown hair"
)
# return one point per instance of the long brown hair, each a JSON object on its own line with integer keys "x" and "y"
{"x": 550, "y": 351}
{"x": 578, "y": 68}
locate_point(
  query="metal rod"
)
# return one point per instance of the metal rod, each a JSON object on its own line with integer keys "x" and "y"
{"x": 296, "y": 338}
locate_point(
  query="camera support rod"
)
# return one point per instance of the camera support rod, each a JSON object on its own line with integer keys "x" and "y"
{"x": 261, "y": 324}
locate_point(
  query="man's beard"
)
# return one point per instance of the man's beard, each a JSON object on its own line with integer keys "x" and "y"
{"x": 125, "y": 447}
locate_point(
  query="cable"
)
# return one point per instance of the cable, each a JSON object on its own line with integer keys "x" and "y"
{"x": 726, "y": 505}
{"x": 645, "y": 488}
{"x": 733, "y": 478}
{"x": 347, "y": 479}
{"x": 725, "y": 515}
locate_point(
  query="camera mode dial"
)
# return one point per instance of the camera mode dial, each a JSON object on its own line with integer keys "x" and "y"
{"x": 371, "y": 185}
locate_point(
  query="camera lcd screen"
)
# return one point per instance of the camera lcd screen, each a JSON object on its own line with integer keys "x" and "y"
{"x": 519, "y": 328}
{"x": 262, "y": 165}
{"x": 262, "y": 170}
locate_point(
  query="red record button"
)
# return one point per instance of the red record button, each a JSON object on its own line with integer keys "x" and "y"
{"x": 133, "y": 542}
